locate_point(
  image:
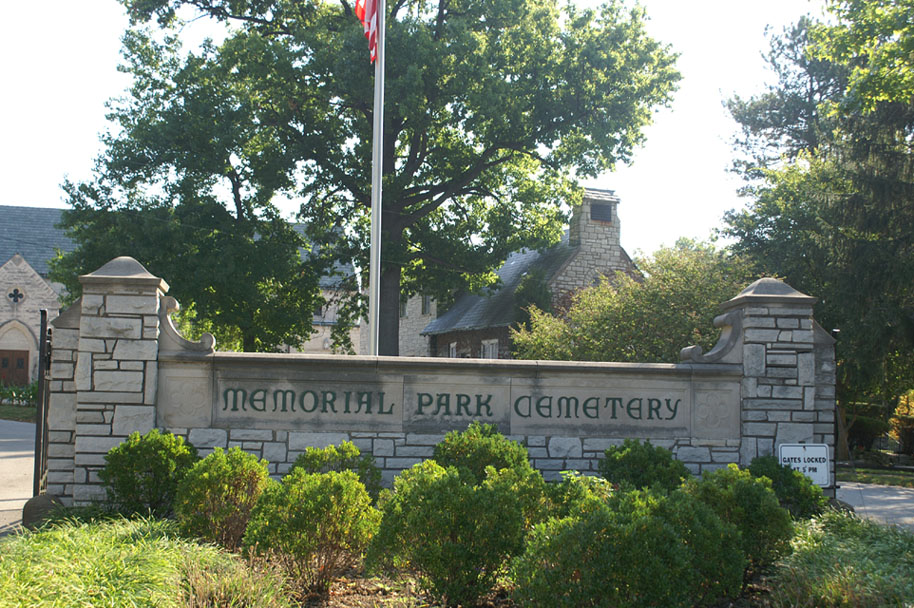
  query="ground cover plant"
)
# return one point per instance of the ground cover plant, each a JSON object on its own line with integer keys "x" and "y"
{"x": 141, "y": 562}
{"x": 18, "y": 413}
{"x": 841, "y": 560}
{"x": 22, "y": 396}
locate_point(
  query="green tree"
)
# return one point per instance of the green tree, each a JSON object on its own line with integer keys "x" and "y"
{"x": 646, "y": 319}
{"x": 787, "y": 119}
{"x": 873, "y": 37}
{"x": 834, "y": 215}
{"x": 185, "y": 186}
{"x": 491, "y": 106}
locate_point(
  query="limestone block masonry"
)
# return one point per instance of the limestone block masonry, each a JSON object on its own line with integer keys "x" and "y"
{"x": 769, "y": 380}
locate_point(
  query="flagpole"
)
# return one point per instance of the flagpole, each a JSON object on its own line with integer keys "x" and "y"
{"x": 377, "y": 171}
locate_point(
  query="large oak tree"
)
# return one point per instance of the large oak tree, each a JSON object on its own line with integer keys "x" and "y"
{"x": 493, "y": 108}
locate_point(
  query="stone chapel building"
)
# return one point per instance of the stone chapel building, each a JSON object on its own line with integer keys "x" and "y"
{"x": 478, "y": 325}
{"x": 28, "y": 240}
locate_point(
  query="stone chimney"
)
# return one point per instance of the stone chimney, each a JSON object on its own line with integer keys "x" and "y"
{"x": 594, "y": 238}
{"x": 595, "y": 222}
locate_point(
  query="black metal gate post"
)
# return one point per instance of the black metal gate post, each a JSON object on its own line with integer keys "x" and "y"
{"x": 41, "y": 417}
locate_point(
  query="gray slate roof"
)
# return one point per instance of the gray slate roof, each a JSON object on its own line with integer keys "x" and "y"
{"x": 32, "y": 233}
{"x": 496, "y": 309}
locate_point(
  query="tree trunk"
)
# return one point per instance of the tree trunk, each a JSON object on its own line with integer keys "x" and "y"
{"x": 389, "y": 312}
{"x": 247, "y": 342}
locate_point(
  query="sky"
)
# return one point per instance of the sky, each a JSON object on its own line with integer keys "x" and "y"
{"x": 58, "y": 60}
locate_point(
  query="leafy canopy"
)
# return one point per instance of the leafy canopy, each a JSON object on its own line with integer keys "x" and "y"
{"x": 185, "y": 185}
{"x": 647, "y": 319}
{"x": 833, "y": 214}
{"x": 492, "y": 107}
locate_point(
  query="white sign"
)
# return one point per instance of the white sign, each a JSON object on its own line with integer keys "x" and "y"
{"x": 811, "y": 459}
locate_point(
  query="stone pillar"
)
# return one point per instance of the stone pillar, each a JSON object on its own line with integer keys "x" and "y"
{"x": 787, "y": 390}
{"x": 62, "y": 403}
{"x": 116, "y": 365}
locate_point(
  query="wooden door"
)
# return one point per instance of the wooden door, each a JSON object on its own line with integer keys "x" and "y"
{"x": 14, "y": 367}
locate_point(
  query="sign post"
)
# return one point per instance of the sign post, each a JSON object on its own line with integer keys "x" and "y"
{"x": 811, "y": 459}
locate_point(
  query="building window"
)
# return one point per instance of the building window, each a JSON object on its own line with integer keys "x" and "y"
{"x": 490, "y": 349}
{"x": 426, "y": 305}
{"x": 402, "y": 308}
{"x": 601, "y": 212}
{"x": 452, "y": 350}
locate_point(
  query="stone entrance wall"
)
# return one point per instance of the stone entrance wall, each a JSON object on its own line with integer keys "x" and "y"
{"x": 120, "y": 366}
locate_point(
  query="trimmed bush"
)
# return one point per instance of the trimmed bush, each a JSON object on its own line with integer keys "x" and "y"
{"x": 216, "y": 496}
{"x": 455, "y": 535}
{"x": 313, "y": 524}
{"x": 636, "y": 465}
{"x": 576, "y": 492}
{"x": 478, "y": 447}
{"x": 641, "y": 548}
{"x": 344, "y": 457}
{"x": 141, "y": 474}
{"x": 795, "y": 491}
{"x": 481, "y": 446}
{"x": 751, "y": 505}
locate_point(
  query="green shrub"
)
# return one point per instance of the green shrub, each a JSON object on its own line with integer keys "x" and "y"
{"x": 215, "y": 498}
{"x": 14, "y": 394}
{"x": 576, "y": 492}
{"x": 640, "y": 548}
{"x": 750, "y": 504}
{"x": 455, "y": 535}
{"x": 142, "y": 473}
{"x": 478, "y": 447}
{"x": 636, "y": 465}
{"x": 863, "y": 432}
{"x": 313, "y": 524}
{"x": 795, "y": 491}
{"x": 345, "y": 457}
{"x": 841, "y": 560}
{"x": 902, "y": 422}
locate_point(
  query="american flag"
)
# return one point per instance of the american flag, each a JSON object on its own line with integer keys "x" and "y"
{"x": 367, "y": 12}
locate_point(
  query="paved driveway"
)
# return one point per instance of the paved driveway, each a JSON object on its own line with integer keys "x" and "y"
{"x": 17, "y": 450}
{"x": 888, "y": 504}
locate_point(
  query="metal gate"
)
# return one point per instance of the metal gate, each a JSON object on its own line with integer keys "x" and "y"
{"x": 41, "y": 418}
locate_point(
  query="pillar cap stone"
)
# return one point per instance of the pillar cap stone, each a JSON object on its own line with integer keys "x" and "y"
{"x": 769, "y": 291}
{"x": 124, "y": 270}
